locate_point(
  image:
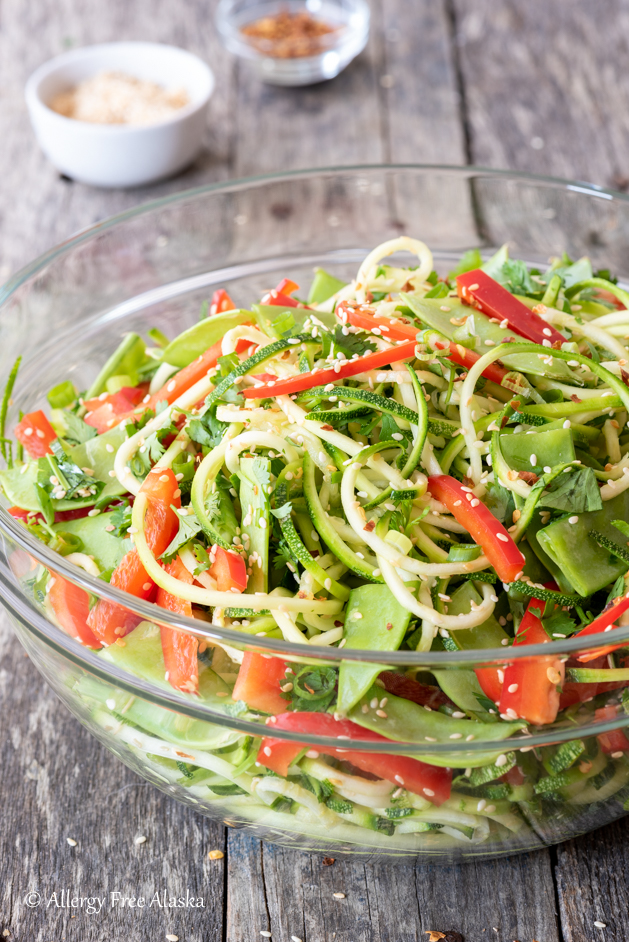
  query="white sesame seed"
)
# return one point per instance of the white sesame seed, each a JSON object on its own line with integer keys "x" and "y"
{"x": 573, "y": 519}
{"x": 265, "y": 933}
{"x": 110, "y": 704}
{"x": 503, "y": 537}
{"x": 71, "y": 842}
{"x": 336, "y": 896}
{"x": 457, "y": 715}
{"x": 429, "y": 792}
{"x": 140, "y": 839}
{"x": 533, "y": 459}
{"x": 110, "y": 448}
{"x": 482, "y": 804}
{"x": 501, "y": 760}
{"x": 600, "y": 925}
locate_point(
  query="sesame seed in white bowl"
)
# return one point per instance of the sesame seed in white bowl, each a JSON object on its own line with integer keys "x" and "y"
{"x": 106, "y": 154}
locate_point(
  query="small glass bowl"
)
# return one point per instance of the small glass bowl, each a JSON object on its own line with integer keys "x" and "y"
{"x": 349, "y": 17}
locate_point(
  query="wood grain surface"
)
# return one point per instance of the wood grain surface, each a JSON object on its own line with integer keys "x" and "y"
{"x": 538, "y": 86}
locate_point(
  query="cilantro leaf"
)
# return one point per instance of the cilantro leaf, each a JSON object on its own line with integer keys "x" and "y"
{"x": 121, "y": 520}
{"x": 351, "y": 343}
{"x": 559, "y": 623}
{"x": 189, "y": 526}
{"x": 207, "y": 430}
{"x": 77, "y": 431}
{"x": 389, "y": 428}
{"x": 74, "y": 481}
{"x": 576, "y": 492}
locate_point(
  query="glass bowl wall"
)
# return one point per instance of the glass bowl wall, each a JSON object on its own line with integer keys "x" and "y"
{"x": 154, "y": 267}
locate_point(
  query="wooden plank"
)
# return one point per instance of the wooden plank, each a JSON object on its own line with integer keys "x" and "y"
{"x": 58, "y": 782}
{"x": 542, "y": 89}
{"x": 591, "y": 875}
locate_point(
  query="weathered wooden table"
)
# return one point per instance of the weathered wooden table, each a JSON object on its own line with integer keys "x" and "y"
{"x": 536, "y": 86}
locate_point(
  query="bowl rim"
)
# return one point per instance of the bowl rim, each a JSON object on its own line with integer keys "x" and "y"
{"x": 17, "y": 534}
{"x": 35, "y": 101}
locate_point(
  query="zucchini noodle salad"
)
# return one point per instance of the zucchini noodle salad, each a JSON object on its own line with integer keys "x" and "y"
{"x": 411, "y": 461}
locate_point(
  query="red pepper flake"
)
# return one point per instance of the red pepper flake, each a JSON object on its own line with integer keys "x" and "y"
{"x": 528, "y": 476}
{"x": 575, "y": 398}
{"x": 370, "y": 525}
{"x": 624, "y": 376}
{"x": 328, "y": 861}
{"x": 327, "y": 428}
{"x": 389, "y": 626}
{"x": 289, "y": 35}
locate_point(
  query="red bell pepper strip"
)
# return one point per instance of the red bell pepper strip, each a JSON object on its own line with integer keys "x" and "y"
{"x": 36, "y": 433}
{"x": 531, "y": 687}
{"x": 221, "y": 302}
{"x": 108, "y": 620}
{"x": 615, "y": 740}
{"x": 603, "y": 623}
{"x": 258, "y": 683}
{"x": 279, "y": 297}
{"x": 132, "y": 394}
{"x": 103, "y": 415}
{"x": 178, "y": 384}
{"x": 490, "y": 682}
{"x": 478, "y": 520}
{"x": 429, "y": 781}
{"x": 179, "y": 648}
{"x": 482, "y": 292}
{"x": 71, "y": 606}
{"x": 399, "y": 329}
{"x": 229, "y": 569}
{"x": 303, "y": 381}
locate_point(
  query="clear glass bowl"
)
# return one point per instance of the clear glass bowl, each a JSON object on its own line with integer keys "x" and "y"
{"x": 153, "y": 266}
{"x": 350, "y": 19}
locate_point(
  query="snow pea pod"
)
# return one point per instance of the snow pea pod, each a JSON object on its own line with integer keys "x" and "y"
{"x": 406, "y": 721}
{"x": 535, "y": 452}
{"x": 588, "y": 566}
{"x": 323, "y": 286}
{"x": 197, "y": 339}
{"x": 128, "y": 356}
{"x": 374, "y": 621}
{"x": 106, "y": 549}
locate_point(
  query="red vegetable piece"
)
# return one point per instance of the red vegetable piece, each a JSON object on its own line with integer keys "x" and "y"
{"x": 280, "y": 296}
{"x": 489, "y": 680}
{"x": 409, "y": 689}
{"x": 71, "y": 606}
{"x": 179, "y": 648}
{"x": 258, "y": 683}
{"x": 36, "y": 433}
{"x": 603, "y": 623}
{"x": 109, "y": 411}
{"x": 293, "y": 384}
{"x": 221, "y": 302}
{"x": 132, "y": 394}
{"x": 615, "y": 740}
{"x": 429, "y": 781}
{"x": 230, "y": 571}
{"x": 479, "y": 521}
{"x": 482, "y": 292}
{"x": 368, "y": 320}
{"x": 531, "y": 687}
{"x": 108, "y": 620}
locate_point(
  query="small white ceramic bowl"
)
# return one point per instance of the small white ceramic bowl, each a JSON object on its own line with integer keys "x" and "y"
{"x": 121, "y": 155}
